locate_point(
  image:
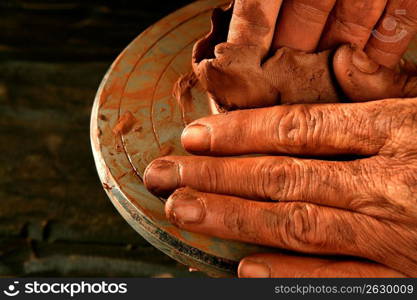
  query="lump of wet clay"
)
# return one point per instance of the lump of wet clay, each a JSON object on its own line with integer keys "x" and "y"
{"x": 237, "y": 76}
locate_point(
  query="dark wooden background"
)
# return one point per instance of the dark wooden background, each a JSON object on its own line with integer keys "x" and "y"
{"x": 55, "y": 219}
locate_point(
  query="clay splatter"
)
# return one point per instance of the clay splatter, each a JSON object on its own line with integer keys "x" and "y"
{"x": 125, "y": 123}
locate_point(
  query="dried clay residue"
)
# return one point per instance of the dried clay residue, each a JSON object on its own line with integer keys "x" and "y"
{"x": 107, "y": 187}
{"x": 182, "y": 93}
{"x": 125, "y": 124}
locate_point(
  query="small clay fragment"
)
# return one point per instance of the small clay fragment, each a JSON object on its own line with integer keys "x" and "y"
{"x": 125, "y": 123}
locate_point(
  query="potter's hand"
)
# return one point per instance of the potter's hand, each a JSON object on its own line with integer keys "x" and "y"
{"x": 383, "y": 28}
{"x": 364, "y": 208}
{"x": 252, "y": 62}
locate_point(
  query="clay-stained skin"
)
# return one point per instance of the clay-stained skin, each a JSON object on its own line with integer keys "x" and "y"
{"x": 393, "y": 33}
{"x": 235, "y": 74}
{"x": 352, "y": 22}
{"x": 361, "y": 79}
{"x": 299, "y": 223}
{"x": 253, "y": 23}
{"x": 301, "y": 23}
{"x": 309, "y": 205}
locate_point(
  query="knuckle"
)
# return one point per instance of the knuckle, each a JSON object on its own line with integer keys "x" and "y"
{"x": 308, "y": 227}
{"x": 296, "y": 126}
{"x": 300, "y": 227}
{"x": 280, "y": 179}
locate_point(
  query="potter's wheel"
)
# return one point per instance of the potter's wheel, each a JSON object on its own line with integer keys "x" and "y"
{"x": 136, "y": 119}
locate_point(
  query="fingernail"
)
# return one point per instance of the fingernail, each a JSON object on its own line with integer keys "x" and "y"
{"x": 185, "y": 208}
{"x": 196, "y": 138}
{"x": 253, "y": 269}
{"x": 362, "y": 61}
{"x": 162, "y": 177}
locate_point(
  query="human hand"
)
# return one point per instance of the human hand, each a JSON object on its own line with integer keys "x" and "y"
{"x": 241, "y": 73}
{"x": 364, "y": 207}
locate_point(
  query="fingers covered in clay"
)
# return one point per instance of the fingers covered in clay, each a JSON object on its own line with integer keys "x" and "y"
{"x": 352, "y": 22}
{"x": 238, "y": 79}
{"x": 301, "y": 23}
{"x": 292, "y": 226}
{"x": 291, "y": 266}
{"x": 363, "y": 79}
{"x": 236, "y": 75}
{"x": 268, "y": 178}
{"x": 394, "y": 32}
{"x": 295, "y": 226}
{"x": 325, "y": 129}
{"x": 253, "y": 23}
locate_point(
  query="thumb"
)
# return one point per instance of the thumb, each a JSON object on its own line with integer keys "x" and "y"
{"x": 362, "y": 79}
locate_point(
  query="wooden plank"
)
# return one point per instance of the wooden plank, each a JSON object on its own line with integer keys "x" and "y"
{"x": 55, "y": 218}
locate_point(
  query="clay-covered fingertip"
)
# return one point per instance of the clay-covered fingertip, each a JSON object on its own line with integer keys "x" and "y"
{"x": 161, "y": 177}
{"x": 185, "y": 207}
{"x": 196, "y": 138}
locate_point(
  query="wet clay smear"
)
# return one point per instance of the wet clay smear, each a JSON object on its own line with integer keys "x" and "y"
{"x": 238, "y": 76}
{"x": 182, "y": 92}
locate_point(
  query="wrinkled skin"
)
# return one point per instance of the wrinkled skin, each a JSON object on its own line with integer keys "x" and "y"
{"x": 361, "y": 206}
{"x": 364, "y": 207}
{"x": 241, "y": 73}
